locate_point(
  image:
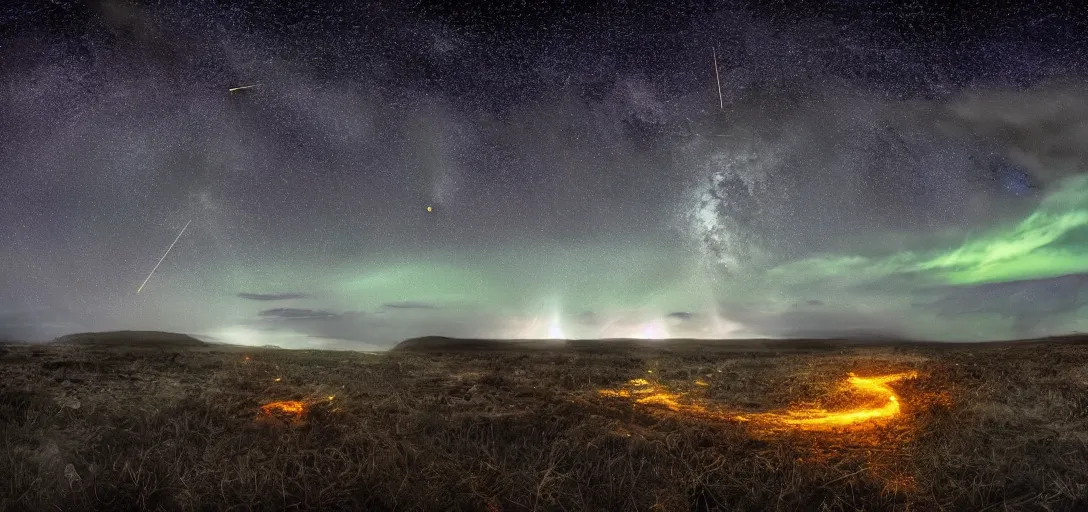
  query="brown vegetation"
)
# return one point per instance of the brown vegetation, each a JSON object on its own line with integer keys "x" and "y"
{"x": 105, "y": 428}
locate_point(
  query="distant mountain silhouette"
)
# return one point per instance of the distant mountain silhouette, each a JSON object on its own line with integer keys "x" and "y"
{"x": 813, "y": 343}
{"x": 446, "y": 344}
{"x": 442, "y": 343}
{"x": 131, "y": 339}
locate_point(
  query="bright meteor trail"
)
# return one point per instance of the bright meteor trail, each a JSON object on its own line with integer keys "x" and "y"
{"x": 242, "y": 88}
{"x": 138, "y": 290}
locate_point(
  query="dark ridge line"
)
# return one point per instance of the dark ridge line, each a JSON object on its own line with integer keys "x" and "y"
{"x": 443, "y": 343}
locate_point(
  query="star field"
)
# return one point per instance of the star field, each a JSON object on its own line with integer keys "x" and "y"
{"x": 387, "y": 171}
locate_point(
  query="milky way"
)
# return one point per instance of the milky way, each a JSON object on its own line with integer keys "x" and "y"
{"x": 542, "y": 171}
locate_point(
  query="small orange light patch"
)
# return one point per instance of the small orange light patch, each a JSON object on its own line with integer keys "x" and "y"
{"x": 294, "y": 410}
{"x": 644, "y": 392}
{"x": 287, "y": 407}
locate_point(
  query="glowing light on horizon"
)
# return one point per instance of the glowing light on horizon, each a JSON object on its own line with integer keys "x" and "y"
{"x": 653, "y": 330}
{"x": 555, "y": 327}
{"x": 555, "y": 331}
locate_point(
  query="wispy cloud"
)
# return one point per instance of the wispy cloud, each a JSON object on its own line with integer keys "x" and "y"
{"x": 272, "y": 296}
{"x": 409, "y": 304}
{"x": 1027, "y": 302}
{"x": 300, "y": 314}
{"x": 587, "y": 318}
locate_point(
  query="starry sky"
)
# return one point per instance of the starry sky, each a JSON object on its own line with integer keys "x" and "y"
{"x": 533, "y": 170}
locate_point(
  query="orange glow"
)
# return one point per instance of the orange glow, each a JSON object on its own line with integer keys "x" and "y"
{"x": 643, "y": 392}
{"x": 875, "y": 400}
{"x": 293, "y": 409}
{"x": 886, "y": 406}
{"x": 288, "y": 407}
{"x": 851, "y": 426}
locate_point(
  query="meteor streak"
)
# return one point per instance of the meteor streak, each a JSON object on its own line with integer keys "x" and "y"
{"x": 233, "y": 89}
{"x": 138, "y": 290}
{"x": 721, "y": 102}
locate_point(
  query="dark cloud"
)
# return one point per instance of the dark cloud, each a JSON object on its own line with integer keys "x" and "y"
{"x": 1028, "y": 302}
{"x": 587, "y": 318}
{"x": 1043, "y": 139}
{"x": 273, "y": 296}
{"x": 409, "y": 304}
{"x": 820, "y": 323}
{"x": 13, "y": 326}
{"x": 300, "y": 314}
{"x": 680, "y": 315}
{"x": 36, "y": 325}
{"x": 341, "y": 343}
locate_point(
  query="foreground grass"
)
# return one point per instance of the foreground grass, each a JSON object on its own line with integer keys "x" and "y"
{"x": 108, "y": 429}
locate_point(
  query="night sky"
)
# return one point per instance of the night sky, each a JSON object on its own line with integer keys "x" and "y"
{"x": 869, "y": 168}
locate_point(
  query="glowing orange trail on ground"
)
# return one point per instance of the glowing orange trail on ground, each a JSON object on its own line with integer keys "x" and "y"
{"x": 815, "y": 419}
{"x": 886, "y": 404}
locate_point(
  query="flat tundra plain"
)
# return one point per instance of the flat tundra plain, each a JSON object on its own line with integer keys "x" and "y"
{"x": 668, "y": 426}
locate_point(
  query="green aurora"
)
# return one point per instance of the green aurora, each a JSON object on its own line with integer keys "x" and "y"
{"x": 1052, "y": 241}
{"x": 644, "y": 281}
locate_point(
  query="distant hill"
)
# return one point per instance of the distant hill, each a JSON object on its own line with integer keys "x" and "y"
{"x": 444, "y": 344}
{"x": 132, "y": 339}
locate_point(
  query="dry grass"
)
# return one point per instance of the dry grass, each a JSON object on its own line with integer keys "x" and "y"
{"x": 985, "y": 428}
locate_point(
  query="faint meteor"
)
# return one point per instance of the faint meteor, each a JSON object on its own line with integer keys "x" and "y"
{"x": 138, "y": 290}
{"x": 721, "y": 102}
{"x": 244, "y": 87}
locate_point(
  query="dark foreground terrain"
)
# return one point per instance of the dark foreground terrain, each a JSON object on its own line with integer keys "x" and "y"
{"x": 986, "y": 427}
